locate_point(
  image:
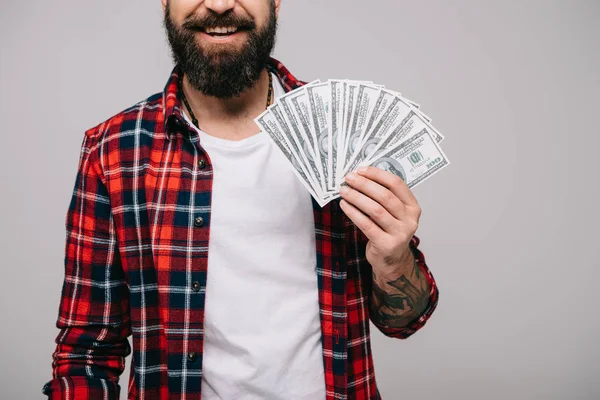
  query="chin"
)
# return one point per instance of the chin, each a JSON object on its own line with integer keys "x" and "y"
{"x": 223, "y": 56}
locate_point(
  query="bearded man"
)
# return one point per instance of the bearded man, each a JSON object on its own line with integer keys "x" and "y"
{"x": 188, "y": 231}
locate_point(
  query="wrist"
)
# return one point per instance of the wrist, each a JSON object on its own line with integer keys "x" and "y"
{"x": 402, "y": 265}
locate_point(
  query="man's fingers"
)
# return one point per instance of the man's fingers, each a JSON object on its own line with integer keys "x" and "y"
{"x": 392, "y": 182}
{"x": 371, "y": 230}
{"x": 377, "y": 192}
{"x": 369, "y": 207}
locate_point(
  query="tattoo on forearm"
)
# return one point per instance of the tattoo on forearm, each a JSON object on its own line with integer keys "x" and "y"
{"x": 400, "y": 301}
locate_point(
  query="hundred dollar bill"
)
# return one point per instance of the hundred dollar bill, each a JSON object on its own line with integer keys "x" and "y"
{"x": 295, "y": 145}
{"x": 342, "y": 131}
{"x": 414, "y": 160}
{"x": 350, "y": 93}
{"x": 333, "y": 121}
{"x": 395, "y": 112}
{"x": 392, "y": 126}
{"x": 366, "y": 100}
{"x": 298, "y": 121}
{"x": 416, "y": 106}
{"x": 319, "y": 98}
{"x": 300, "y": 107}
{"x": 414, "y": 122}
{"x": 348, "y": 100}
{"x": 382, "y": 103}
{"x": 268, "y": 123}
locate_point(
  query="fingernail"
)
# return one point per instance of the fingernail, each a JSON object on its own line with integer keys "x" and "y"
{"x": 362, "y": 170}
{"x": 351, "y": 176}
{"x": 344, "y": 190}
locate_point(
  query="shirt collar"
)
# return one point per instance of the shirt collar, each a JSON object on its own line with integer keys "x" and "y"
{"x": 174, "y": 119}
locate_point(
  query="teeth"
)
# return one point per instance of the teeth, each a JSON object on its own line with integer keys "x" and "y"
{"x": 222, "y": 29}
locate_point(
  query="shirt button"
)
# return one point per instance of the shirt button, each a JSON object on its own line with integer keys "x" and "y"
{"x": 199, "y": 221}
{"x": 201, "y": 163}
{"x": 191, "y": 356}
{"x": 196, "y": 286}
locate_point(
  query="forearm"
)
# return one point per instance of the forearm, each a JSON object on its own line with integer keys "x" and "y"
{"x": 400, "y": 295}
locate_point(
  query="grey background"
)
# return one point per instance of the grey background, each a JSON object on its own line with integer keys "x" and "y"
{"x": 510, "y": 229}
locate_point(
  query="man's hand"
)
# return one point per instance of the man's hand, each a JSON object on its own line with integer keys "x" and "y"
{"x": 385, "y": 210}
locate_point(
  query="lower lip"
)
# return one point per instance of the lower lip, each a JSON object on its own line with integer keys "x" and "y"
{"x": 221, "y": 39}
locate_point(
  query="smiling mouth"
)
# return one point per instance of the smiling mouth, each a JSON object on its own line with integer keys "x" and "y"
{"x": 222, "y": 31}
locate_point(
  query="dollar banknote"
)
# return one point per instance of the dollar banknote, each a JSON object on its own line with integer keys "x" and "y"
{"x": 366, "y": 100}
{"x": 267, "y": 122}
{"x": 349, "y": 97}
{"x": 301, "y": 108}
{"x": 414, "y": 160}
{"x": 319, "y": 99}
{"x": 333, "y": 121}
{"x": 414, "y": 122}
{"x": 328, "y": 129}
{"x": 395, "y": 112}
{"x": 295, "y": 145}
{"x": 297, "y": 112}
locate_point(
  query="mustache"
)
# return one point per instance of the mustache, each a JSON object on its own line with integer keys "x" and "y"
{"x": 214, "y": 20}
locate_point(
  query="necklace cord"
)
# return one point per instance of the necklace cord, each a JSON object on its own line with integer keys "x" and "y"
{"x": 189, "y": 108}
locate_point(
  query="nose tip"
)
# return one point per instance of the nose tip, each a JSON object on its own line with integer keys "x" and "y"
{"x": 219, "y": 6}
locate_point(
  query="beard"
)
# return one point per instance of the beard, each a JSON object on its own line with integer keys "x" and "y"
{"x": 222, "y": 73}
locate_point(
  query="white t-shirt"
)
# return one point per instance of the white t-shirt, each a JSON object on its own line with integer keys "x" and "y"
{"x": 262, "y": 332}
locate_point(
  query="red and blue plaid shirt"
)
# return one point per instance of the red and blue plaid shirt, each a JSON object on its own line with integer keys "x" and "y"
{"x": 137, "y": 233}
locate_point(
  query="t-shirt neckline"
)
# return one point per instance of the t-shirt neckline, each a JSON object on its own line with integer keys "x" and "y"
{"x": 210, "y": 140}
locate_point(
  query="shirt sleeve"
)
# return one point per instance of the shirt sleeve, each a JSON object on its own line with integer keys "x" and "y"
{"x": 93, "y": 315}
{"x": 419, "y": 321}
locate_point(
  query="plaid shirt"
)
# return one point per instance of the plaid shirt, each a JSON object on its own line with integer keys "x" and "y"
{"x": 137, "y": 232}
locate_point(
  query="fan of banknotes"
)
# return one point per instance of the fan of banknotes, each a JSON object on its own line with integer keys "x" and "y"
{"x": 328, "y": 129}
